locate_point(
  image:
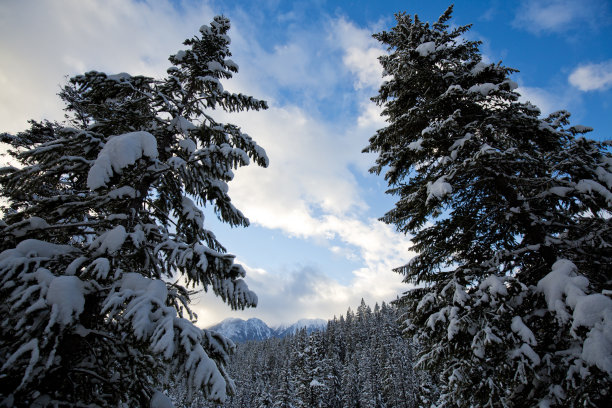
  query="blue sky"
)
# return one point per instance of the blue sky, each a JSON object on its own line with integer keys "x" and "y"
{"x": 315, "y": 246}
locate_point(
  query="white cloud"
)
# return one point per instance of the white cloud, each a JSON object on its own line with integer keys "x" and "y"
{"x": 344, "y": 252}
{"x": 307, "y": 173}
{"x": 370, "y": 117}
{"x": 308, "y": 191}
{"x": 558, "y": 16}
{"x": 41, "y": 43}
{"x": 306, "y": 291}
{"x": 592, "y": 77}
{"x": 546, "y": 101}
{"x": 361, "y": 52}
{"x": 284, "y": 297}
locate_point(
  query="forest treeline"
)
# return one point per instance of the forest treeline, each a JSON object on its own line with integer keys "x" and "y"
{"x": 361, "y": 360}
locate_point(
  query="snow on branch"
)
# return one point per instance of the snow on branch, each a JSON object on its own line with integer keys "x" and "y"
{"x": 564, "y": 289}
{"x": 142, "y": 303}
{"x": 118, "y": 153}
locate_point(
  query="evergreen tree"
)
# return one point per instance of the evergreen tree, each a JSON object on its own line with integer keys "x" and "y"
{"x": 333, "y": 395}
{"x": 404, "y": 387}
{"x": 350, "y": 384}
{"x": 102, "y": 227}
{"x": 285, "y": 395}
{"x": 510, "y": 218}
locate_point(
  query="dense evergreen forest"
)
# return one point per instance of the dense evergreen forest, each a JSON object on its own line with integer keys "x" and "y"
{"x": 361, "y": 360}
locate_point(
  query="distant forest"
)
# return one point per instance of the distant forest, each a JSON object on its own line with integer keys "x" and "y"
{"x": 361, "y": 360}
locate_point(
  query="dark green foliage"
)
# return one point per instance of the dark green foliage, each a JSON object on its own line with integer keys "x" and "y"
{"x": 103, "y": 205}
{"x": 493, "y": 196}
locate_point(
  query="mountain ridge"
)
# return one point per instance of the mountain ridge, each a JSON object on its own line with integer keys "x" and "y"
{"x": 254, "y": 329}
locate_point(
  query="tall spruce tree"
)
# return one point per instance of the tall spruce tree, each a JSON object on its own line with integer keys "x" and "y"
{"x": 103, "y": 234}
{"x": 510, "y": 219}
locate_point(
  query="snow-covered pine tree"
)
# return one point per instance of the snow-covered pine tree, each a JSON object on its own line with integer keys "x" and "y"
{"x": 102, "y": 236}
{"x": 510, "y": 216}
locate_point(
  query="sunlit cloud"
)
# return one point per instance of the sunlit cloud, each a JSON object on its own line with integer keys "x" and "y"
{"x": 361, "y": 52}
{"x": 42, "y": 43}
{"x": 546, "y": 101}
{"x": 308, "y": 291}
{"x": 592, "y": 77}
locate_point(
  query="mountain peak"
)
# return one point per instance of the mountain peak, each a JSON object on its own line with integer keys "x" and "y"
{"x": 240, "y": 330}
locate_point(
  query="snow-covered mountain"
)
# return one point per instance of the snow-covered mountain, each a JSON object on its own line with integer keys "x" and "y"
{"x": 239, "y": 330}
{"x": 309, "y": 324}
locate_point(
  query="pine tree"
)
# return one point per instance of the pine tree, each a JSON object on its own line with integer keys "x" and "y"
{"x": 103, "y": 235}
{"x": 285, "y": 395}
{"x": 510, "y": 218}
{"x": 350, "y": 384}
